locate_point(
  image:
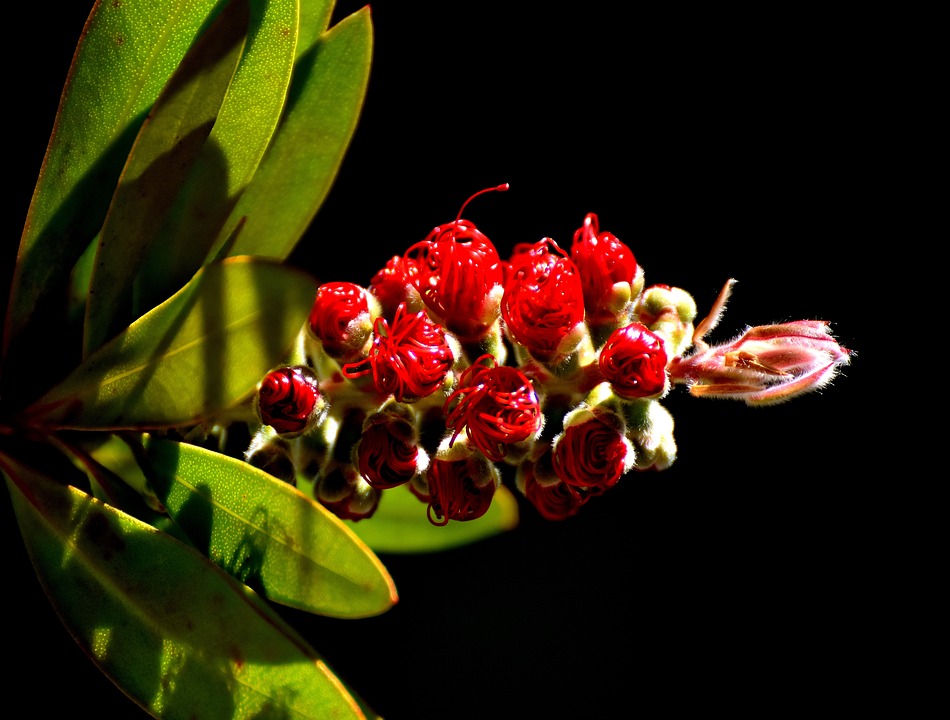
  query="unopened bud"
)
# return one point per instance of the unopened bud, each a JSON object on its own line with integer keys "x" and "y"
{"x": 650, "y": 430}
{"x": 765, "y": 365}
{"x": 271, "y": 453}
{"x": 669, "y": 312}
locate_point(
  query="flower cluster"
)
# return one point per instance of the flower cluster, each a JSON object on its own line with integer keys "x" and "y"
{"x": 454, "y": 360}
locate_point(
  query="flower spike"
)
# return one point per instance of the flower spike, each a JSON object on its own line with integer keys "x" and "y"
{"x": 453, "y": 361}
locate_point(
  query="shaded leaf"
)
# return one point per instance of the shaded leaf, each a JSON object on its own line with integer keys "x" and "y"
{"x": 124, "y": 57}
{"x": 266, "y": 533}
{"x": 164, "y": 151}
{"x": 400, "y": 525}
{"x": 229, "y": 158}
{"x": 191, "y": 358}
{"x": 295, "y": 177}
{"x": 113, "y": 453}
{"x": 179, "y": 636}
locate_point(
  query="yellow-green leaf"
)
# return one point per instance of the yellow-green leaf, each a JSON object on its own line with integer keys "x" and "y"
{"x": 182, "y": 638}
{"x": 314, "y": 18}
{"x": 400, "y": 524}
{"x": 191, "y": 358}
{"x": 164, "y": 151}
{"x": 125, "y": 55}
{"x": 296, "y": 175}
{"x": 268, "y": 534}
{"x": 229, "y": 158}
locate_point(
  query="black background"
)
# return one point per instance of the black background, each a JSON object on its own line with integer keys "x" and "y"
{"x": 750, "y": 576}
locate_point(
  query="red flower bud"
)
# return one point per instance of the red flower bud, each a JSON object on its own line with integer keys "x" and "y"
{"x": 592, "y": 453}
{"x": 554, "y": 500}
{"x": 460, "y": 489}
{"x": 408, "y": 359}
{"x": 386, "y": 454}
{"x": 496, "y": 404}
{"x": 633, "y": 361}
{"x": 289, "y": 400}
{"x": 602, "y": 261}
{"x": 458, "y": 269}
{"x": 340, "y": 318}
{"x": 543, "y": 302}
{"x": 394, "y": 284}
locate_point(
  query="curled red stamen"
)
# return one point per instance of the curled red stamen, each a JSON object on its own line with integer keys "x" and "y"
{"x": 496, "y": 404}
{"x": 387, "y": 455}
{"x": 543, "y": 300}
{"x": 459, "y": 490}
{"x": 633, "y": 361}
{"x": 409, "y": 358}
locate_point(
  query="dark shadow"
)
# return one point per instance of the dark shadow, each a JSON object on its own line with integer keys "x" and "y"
{"x": 49, "y": 263}
{"x": 247, "y": 560}
{"x": 195, "y": 518}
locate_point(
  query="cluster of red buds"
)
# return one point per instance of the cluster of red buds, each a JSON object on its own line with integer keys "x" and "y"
{"x": 453, "y": 360}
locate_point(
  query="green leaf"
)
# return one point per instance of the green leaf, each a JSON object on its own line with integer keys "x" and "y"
{"x": 124, "y": 57}
{"x": 191, "y": 358}
{"x": 114, "y": 454}
{"x": 266, "y": 533}
{"x": 229, "y": 158}
{"x": 179, "y": 636}
{"x": 164, "y": 151}
{"x": 296, "y": 175}
{"x": 400, "y": 524}
{"x": 314, "y": 18}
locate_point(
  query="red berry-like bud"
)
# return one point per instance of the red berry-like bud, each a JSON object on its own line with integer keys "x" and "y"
{"x": 289, "y": 400}
{"x": 458, "y": 269}
{"x": 496, "y": 405}
{"x": 460, "y": 489}
{"x": 409, "y": 358}
{"x": 340, "y": 318}
{"x": 395, "y": 284}
{"x": 592, "y": 453}
{"x": 633, "y": 361}
{"x": 387, "y": 455}
{"x": 603, "y": 261}
{"x": 555, "y": 499}
{"x": 543, "y": 302}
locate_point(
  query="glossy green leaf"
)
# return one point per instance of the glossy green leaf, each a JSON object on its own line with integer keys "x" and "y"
{"x": 179, "y": 636}
{"x": 400, "y": 524}
{"x": 191, "y": 358}
{"x": 245, "y": 123}
{"x": 164, "y": 151}
{"x": 304, "y": 159}
{"x": 314, "y": 19}
{"x": 125, "y": 55}
{"x": 268, "y": 534}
